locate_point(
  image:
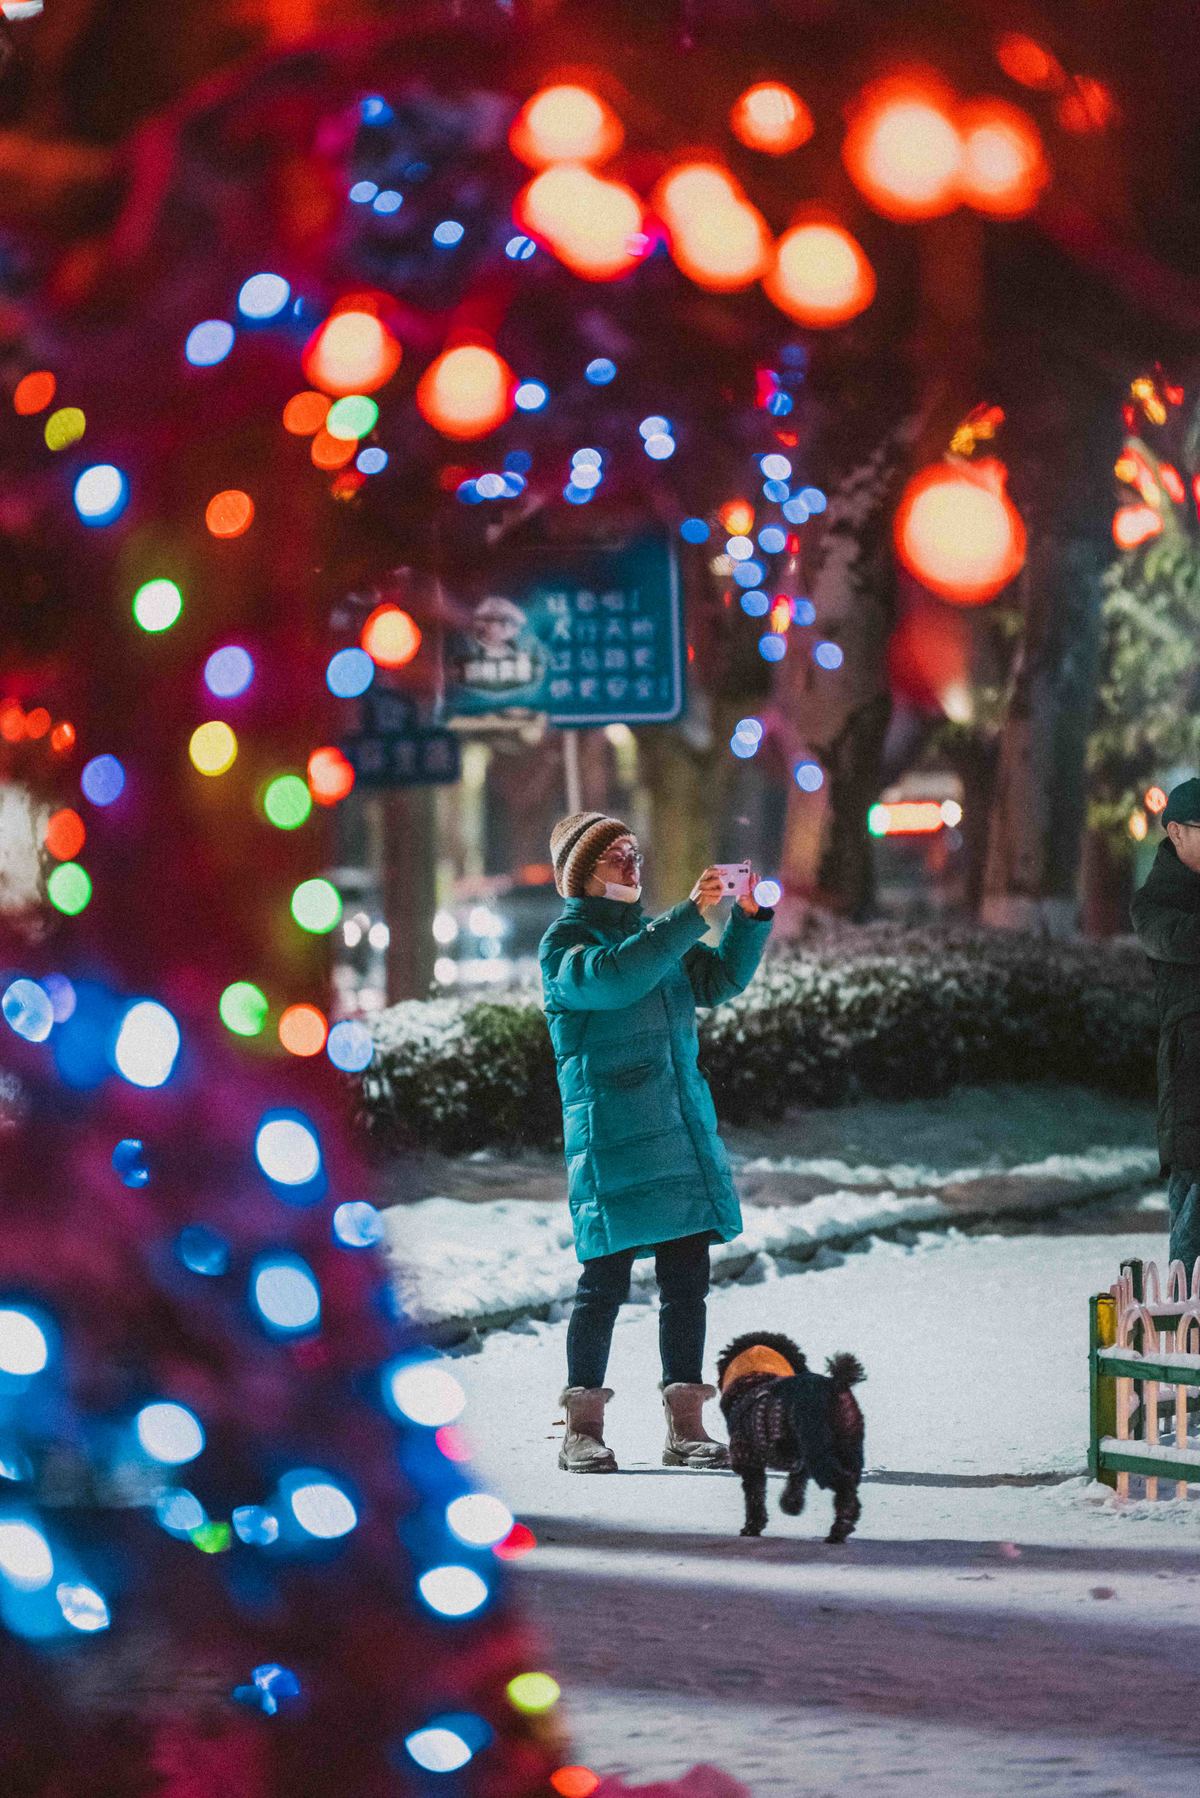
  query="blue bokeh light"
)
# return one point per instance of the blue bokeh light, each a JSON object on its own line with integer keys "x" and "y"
{"x": 363, "y": 192}
{"x": 776, "y": 491}
{"x": 101, "y": 494}
{"x": 24, "y": 1346}
{"x": 229, "y": 671}
{"x": 129, "y": 1162}
{"x": 803, "y": 612}
{"x": 147, "y": 1044}
{"x": 771, "y": 539}
{"x": 373, "y": 109}
{"x": 387, "y": 201}
{"x": 776, "y": 467}
{"x": 520, "y": 249}
{"x": 209, "y": 342}
{"x": 28, "y": 1010}
{"x": 796, "y": 510}
{"x": 828, "y": 655}
{"x": 287, "y": 1150}
{"x": 600, "y": 371}
{"x": 531, "y": 396}
{"x": 755, "y": 603}
{"x": 372, "y": 460}
{"x": 809, "y": 777}
{"x": 350, "y": 673}
{"x": 202, "y": 1251}
{"x": 350, "y": 1046}
{"x": 749, "y": 574}
{"x": 169, "y": 1433}
{"x": 102, "y": 779}
{"x": 448, "y": 233}
{"x": 695, "y": 530}
{"x": 263, "y": 296}
{"x": 814, "y": 499}
{"x": 357, "y": 1224}
{"x": 285, "y": 1293}
{"x": 772, "y": 647}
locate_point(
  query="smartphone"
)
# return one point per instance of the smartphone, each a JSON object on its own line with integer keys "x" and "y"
{"x": 735, "y": 879}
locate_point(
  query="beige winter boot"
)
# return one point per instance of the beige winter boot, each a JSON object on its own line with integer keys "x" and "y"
{"x": 688, "y": 1442}
{"x": 584, "y": 1449}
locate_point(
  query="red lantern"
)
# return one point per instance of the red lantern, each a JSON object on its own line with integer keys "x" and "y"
{"x": 958, "y": 532}
{"x": 820, "y": 275}
{"x": 903, "y": 149}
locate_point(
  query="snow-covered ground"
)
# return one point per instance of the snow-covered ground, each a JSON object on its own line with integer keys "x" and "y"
{"x": 478, "y": 1262}
{"x": 998, "y": 1625}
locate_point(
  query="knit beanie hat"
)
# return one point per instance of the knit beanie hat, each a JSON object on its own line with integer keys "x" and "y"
{"x": 577, "y": 844}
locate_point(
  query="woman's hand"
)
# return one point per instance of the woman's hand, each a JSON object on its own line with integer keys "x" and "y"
{"x": 707, "y": 891}
{"x": 748, "y": 902}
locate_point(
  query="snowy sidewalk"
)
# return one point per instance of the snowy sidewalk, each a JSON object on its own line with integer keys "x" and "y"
{"x": 997, "y": 1626}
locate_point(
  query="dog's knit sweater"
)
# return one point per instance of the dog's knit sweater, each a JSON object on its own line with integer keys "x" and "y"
{"x": 783, "y": 1423}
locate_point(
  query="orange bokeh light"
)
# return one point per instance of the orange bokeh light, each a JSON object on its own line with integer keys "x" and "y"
{"x": 34, "y": 392}
{"x": 1172, "y": 482}
{"x": 574, "y": 1782}
{"x": 352, "y": 352}
{"x": 1155, "y": 800}
{"x": 330, "y": 774}
{"x": 718, "y": 239}
{"x": 37, "y": 722}
{"x": 771, "y": 117}
{"x": 565, "y": 123}
{"x": 12, "y": 723}
{"x": 1004, "y": 165}
{"x": 1023, "y": 59}
{"x": 62, "y": 737}
{"x": 595, "y": 227}
{"x": 958, "y": 532}
{"x": 65, "y": 835}
{"x": 230, "y": 513}
{"x": 332, "y": 452}
{"x": 903, "y": 150}
{"x": 466, "y": 392}
{"x": 1134, "y": 525}
{"x": 306, "y": 413}
{"x": 390, "y": 637}
{"x": 820, "y": 276}
{"x": 303, "y": 1029}
{"x": 737, "y": 517}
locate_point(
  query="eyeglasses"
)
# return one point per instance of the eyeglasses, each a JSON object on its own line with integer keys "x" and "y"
{"x": 625, "y": 857}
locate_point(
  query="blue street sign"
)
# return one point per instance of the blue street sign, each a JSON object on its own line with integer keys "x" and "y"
{"x": 589, "y": 633}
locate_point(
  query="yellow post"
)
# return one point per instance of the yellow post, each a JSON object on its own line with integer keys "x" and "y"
{"x": 1103, "y": 1334}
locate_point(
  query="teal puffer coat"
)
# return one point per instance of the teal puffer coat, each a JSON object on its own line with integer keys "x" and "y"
{"x": 644, "y": 1161}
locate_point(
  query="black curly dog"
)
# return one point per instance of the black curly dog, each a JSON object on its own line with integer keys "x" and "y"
{"x": 807, "y": 1425}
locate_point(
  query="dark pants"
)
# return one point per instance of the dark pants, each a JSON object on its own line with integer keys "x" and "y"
{"x": 682, "y": 1271}
{"x": 1183, "y": 1197}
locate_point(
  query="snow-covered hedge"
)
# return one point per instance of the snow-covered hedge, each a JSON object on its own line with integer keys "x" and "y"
{"x": 879, "y": 1012}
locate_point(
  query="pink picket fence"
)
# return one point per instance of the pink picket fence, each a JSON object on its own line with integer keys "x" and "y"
{"x": 1145, "y": 1380}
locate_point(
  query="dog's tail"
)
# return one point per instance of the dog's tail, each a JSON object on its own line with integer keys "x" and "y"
{"x": 845, "y": 1370}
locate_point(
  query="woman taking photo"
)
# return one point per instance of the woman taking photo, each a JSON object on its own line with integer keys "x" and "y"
{"x": 647, "y": 1173}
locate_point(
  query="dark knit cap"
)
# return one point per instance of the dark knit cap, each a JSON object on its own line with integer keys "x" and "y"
{"x": 577, "y": 844}
{"x": 1183, "y": 807}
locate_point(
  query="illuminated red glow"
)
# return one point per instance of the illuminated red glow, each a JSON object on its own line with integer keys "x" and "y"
{"x": 772, "y": 118}
{"x": 467, "y": 392}
{"x": 820, "y": 275}
{"x": 595, "y": 227}
{"x": 718, "y": 239}
{"x": 352, "y": 352}
{"x": 565, "y": 123}
{"x": 958, "y": 532}
{"x": 1134, "y": 525}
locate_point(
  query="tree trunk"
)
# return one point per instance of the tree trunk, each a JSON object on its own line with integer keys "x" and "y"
{"x": 846, "y": 874}
{"x": 1032, "y": 871}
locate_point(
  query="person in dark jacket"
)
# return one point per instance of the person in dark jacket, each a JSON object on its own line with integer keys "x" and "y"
{"x": 1166, "y": 917}
{"x": 647, "y": 1172}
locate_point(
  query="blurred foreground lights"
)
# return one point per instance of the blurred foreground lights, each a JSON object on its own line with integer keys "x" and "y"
{"x": 69, "y": 888}
{"x": 25, "y": 1558}
{"x": 660, "y": 448}
{"x": 350, "y": 673}
{"x": 287, "y": 802}
{"x": 157, "y": 605}
{"x": 772, "y": 118}
{"x": 952, "y": 813}
{"x": 101, "y": 494}
{"x": 903, "y": 150}
{"x": 287, "y": 1151}
{"x": 820, "y": 276}
{"x": 772, "y": 647}
{"x": 565, "y": 123}
{"x": 448, "y": 233}
{"x": 438, "y": 1749}
{"x": 102, "y": 780}
{"x": 479, "y": 1519}
{"x": 320, "y": 1507}
{"x": 357, "y": 1224}
{"x": 24, "y": 1350}
{"x": 771, "y": 539}
{"x": 466, "y": 391}
{"x": 255, "y": 1525}
{"x": 453, "y": 1591}
{"x": 390, "y": 636}
{"x": 243, "y": 1008}
{"x": 694, "y": 530}
{"x": 229, "y": 513}
{"x": 350, "y": 1046}
{"x": 179, "y": 1512}
{"x": 371, "y": 461}
{"x": 83, "y": 1608}
{"x": 330, "y": 775}
{"x": 147, "y": 1044}
{"x": 424, "y": 1392}
{"x": 574, "y": 1782}
{"x": 129, "y": 1162}
{"x": 776, "y": 468}
{"x": 209, "y": 342}
{"x": 263, "y": 296}
{"x": 768, "y": 893}
{"x": 600, "y": 371}
{"x": 352, "y": 417}
{"x": 533, "y": 1693}
{"x": 169, "y": 1433}
{"x": 809, "y": 777}
{"x": 803, "y": 612}
{"x": 202, "y": 1251}
{"x": 212, "y": 748}
{"x": 317, "y": 906}
{"x": 353, "y": 351}
{"x": 64, "y": 427}
{"x": 285, "y": 1293}
{"x": 829, "y": 656}
{"x": 530, "y": 396}
{"x": 754, "y": 603}
{"x": 303, "y": 1030}
{"x": 29, "y": 1013}
{"x": 228, "y": 671}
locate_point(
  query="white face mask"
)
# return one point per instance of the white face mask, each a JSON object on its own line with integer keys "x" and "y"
{"x": 612, "y": 890}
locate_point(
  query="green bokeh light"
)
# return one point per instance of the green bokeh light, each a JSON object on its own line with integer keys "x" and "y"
{"x": 316, "y": 906}
{"x": 287, "y": 801}
{"x": 69, "y": 888}
{"x": 243, "y": 1008}
{"x": 351, "y": 417}
{"x": 157, "y": 605}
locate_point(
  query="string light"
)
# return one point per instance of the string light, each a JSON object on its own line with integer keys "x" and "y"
{"x": 390, "y": 636}
{"x": 209, "y": 342}
{"x": 903, "y": 150}
{"x": 147, "y": 1044}
{"x": 284, "y": 1292}
{"x": 594, "y": 226}
{"x": 243, "y": 1008}
{"x": 306, "y": 412}
{"x": 352, "y": 417}
{"x": 350, "y": 1047}
{"x": 772, "y": 118}
{"x": 820, "y": 276}
{"x": 352, "y": 352}
{"x": 34, "y": 392}
{"x": 453, "y": 1591}
{"x": 64, "y": 835}
{"x": 350, "y": 673}
{"x": 287, "y": 1150}
{"x": 213, "y": 748}
{"x": 169, "y": 1433}
{"x": 263, "y": 297}
{"x": 64, "y": 427}
{"x": 424, "y": 1392}
{"x": 228, "y": 671}
{"x": 69, "y": 888}
{"x": 479, "y": 1519}
{"x": 157, "y": 605}
{"x": 317, "y": 906}
{"x": 958, "y": 532}
{"x": 565, "y": 123}
{"x": 101, "y": 494}
{"x": 303, "y": 1030}
{"x": 330, "y": 775}
{"x": 102, "y": 780}
{"x": 287, "y": 802}
{"x": 230, "y": 513}
{"x": 466, "y": 392}
{"x": 28, "y": 1013}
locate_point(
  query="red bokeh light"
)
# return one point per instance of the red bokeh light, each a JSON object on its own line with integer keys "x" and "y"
{"x": 718, "y": 239}
{"x": 230, "y": 513}
{"x": 596, "y": 227}
{"x": 466, "y": 392}
{"x": 903, "y": 149}
{"x": 65, "y": 835}
{"x": 352, "y": 352}
{"x": 303, "y": 1029}
{"x": 330, "y": 774}
{"x": 1004, "y": 166}
{"x": 820, "y": 275}
{"x": 34, "y": 392}
{"x": 390, "y": 637}
{"x": 565, "y": 123}
{"x": 771, "y": 117}
{"x": 1134, "y": 525}
{"x": 1023, "y": 59}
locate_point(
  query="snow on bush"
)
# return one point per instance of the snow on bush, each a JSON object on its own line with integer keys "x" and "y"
{"x": 881, "y": 1012}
